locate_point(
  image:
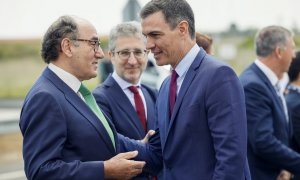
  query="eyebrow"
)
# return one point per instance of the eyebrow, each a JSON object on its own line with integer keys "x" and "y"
{"x": 153, "y": 33}
{"x": 95, "y": 38}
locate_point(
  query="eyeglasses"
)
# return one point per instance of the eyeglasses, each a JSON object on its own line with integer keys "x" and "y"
{"x": 125, "y": 54}
{"x": 94, "y": 43}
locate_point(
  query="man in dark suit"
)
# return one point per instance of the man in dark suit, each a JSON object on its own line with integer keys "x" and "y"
{"x": 63, "y": 137}
{"x": 204, "y": 136}
{"x": 269, "y": 130}
{"x": 293, "y": 98}
{"x": 127, "y": 51}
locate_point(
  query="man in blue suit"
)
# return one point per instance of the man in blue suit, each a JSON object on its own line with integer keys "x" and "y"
{"x": 293, "y": 98}
{"x": 127, "y": 51}
{"x": 293, "y": 101}
{"x": 269, "y": 127}
{"x": 204, "y": 137}
{"x": 63, "y": 137}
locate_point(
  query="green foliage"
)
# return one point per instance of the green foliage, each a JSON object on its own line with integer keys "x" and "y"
{"x": 247, "y": 43}
{"x": 19, "y": 49}
{"x": 104, "y": 43}
{"x": 297, "y": 41}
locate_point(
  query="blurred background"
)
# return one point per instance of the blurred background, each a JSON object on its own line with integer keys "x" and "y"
{"x": 232, "y": 24}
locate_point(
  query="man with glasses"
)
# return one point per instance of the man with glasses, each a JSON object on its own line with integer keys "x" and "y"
{"x": 66, "y": 135}
{"x": 128, "y": 103}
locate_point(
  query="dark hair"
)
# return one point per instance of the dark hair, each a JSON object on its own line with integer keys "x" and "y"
{"x": 269, "y": 38}
{"x": 174, "y": 12}
{"x": 294, "y": 68}
{"x": 204, "y": 41}
{"x": 63, "y": 27}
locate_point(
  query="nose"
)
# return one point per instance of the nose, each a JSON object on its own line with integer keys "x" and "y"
{"x": 99, "y": 53}
{"x": 132, "y": 59}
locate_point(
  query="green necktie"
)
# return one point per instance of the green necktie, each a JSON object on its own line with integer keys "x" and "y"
{"x": 91, "y": 102}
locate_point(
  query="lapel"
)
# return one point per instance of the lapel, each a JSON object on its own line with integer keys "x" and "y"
{"x": 267, "y": 82}
{"x": 82, "y": 108}
{"x": 275, "y": 96}
{"x": 123, "y": 102}
{"x": 190, "y": 75}
{"x": 150, "y": 108}
{"x": 162, "y": 109}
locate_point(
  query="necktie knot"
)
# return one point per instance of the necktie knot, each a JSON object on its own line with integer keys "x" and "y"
{"x": 133, "y": 89}
{"x": 174, "y": 76}
{"x": 84, "y": 90}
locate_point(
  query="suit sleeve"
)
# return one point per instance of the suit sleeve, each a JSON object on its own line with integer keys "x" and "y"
{"x": 261, "y": 136}
{"x": 151, "y": 152}
{"x": 44, "y": 129}
{"x": 227, "y": 122}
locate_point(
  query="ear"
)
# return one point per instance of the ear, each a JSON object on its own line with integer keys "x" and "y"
{"x": 111, "y": 54}
{"x": 66, "y": 47}
{"x": 278, "y": 52}
{"x": 183, "y": 27}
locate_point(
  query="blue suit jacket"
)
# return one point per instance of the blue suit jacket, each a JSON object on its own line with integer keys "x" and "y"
{"x": 115, "y": 104}
{"x": 63, "y": 138}
{"x": 268, "y": 131}
{"x": 293, "y": 103}
{"x": 206, "y": 136}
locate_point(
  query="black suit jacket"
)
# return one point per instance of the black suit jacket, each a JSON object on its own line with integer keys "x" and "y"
{"x": 293, "y": 103}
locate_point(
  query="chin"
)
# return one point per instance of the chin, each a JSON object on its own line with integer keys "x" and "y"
{"x": 93, "y": 75}
{"x": 132, "y": 79}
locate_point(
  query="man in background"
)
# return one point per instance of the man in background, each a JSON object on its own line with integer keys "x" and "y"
{"x": 269, "y": 126}
{"x": 129, "y": 104}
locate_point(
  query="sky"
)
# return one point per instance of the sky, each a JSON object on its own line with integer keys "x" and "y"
{"x": 30, "y": 18}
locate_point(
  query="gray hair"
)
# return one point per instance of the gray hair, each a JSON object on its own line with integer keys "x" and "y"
{"x": 269, "y": 38}
{"x": 174, "y": 12}
{"x": 64, "y": 26}
{"x": 126, "y": 29}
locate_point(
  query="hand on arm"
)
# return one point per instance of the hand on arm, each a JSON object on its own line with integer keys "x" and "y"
{"x": 284, "y": 175}
{"x": 121, "y": 167}
{"x": 147, "y": 137}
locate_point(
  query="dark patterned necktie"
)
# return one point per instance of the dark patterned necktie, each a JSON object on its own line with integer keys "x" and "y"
{"x": 173, "y": 91}
{"x": 139, "y": 106}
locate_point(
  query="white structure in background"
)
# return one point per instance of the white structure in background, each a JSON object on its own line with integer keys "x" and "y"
{"x": 227, "y": 51}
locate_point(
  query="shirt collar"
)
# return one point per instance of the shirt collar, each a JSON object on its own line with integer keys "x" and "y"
{"x": 122, "y": 83}
{"x": 66, "y": 77}
{"x": 267, "y": 71}
{"x": 187, "y": 60}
